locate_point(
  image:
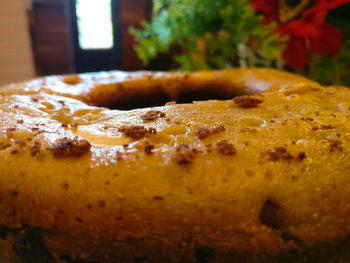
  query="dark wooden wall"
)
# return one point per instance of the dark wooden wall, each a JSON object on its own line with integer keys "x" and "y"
{"x": 132, "y": 12}
{"x": 51, "y": 37}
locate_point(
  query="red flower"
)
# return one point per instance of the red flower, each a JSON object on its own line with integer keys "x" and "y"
{"x": 310, "y": 33}
{"x": 296, "y": 54}
{"x": 328, "y": 43}
{"x": 268, "y": 7}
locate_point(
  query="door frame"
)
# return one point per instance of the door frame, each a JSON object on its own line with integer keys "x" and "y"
{"x": 97, "y": 59}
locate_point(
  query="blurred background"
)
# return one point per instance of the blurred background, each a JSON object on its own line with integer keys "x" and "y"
{"x": 46, "y": 37}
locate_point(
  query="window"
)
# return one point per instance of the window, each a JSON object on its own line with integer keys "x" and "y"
{"x": 96, "y": 34}
{"x": 95, "y": 25}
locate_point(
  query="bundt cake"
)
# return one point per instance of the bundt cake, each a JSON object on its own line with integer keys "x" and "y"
{"x": 255, "y": 169}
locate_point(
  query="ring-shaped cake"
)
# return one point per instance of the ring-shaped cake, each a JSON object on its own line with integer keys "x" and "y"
{"x": 262, "y": 177}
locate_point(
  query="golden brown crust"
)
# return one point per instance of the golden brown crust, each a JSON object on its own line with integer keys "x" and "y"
{"x": 168, "y": 184}
{"x": 122, "y": 89}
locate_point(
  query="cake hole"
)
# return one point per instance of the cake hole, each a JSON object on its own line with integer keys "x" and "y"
{"x": 159, "y": 97}
{"x": 271, "y": 215}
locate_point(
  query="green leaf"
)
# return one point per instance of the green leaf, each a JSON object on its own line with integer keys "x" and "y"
{"x": 205, "y": 33}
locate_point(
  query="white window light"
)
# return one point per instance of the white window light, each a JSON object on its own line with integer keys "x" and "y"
{"x": 95, "y": 27}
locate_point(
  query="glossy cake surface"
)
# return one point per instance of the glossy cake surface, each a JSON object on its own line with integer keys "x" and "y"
{"x": 263, "y": 177}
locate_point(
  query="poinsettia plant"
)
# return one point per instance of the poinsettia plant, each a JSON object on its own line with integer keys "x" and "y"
{"x": 318, "y": 36}
{"x": 311, "y": 37}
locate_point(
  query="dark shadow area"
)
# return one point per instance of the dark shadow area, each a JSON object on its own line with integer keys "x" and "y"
{"x": 160, "y": 98}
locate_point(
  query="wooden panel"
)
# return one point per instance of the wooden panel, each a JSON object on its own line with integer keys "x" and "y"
{"x": 52, "y": 40}
{"x": 16, "y": 63}
{"x": 132, "y": 13}
{"x": 51, "y": 37}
